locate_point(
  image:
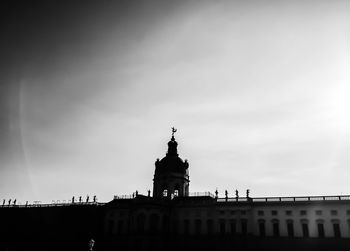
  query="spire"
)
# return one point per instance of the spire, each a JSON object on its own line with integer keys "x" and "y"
{"x": 172, "y": 144}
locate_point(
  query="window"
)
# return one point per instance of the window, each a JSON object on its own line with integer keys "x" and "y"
{"x": 222, "y": 212}
{"x": 262, "y": 228}
{"x": 165, "y": 193}
{"x": 210, "y": 226}
{"x": 318, "y": 212}
{"x": 198, "y": 226}
{"x": 233, "y": 226}
{"x": 303, "y": 212}
{"x": 110, "y": 226}
{"x": 276, "y": 228}
{"x": 165, "y": 222}
{"x": 186, "y": 226}
{"x": 289, "y": 212}
{"x": 140, "y": 223}
{"x": 120, "y": 226}
{"x": 244, "y": 226}
{"x": 260, "y": 213}
{"x": 175, "y": 226}
{"x": 336, "y": 230}
{"x": 305, "y": 228}
{"x": 176, "y": 190}
{"x": 274, "y": 212}
{"x": 154, "y": 222}
{"x": 334, "y": 212}
{"x": 348, "y": 212}
{"x": 233, "y": 212}
{"x": 290, "y": 228}
{"x": 243, "y": 212}
{"x": 320, "y": 229}
{"x": 222, "y": 226}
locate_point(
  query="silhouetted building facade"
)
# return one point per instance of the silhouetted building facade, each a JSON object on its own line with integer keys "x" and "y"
{"x": 175, "y": 219}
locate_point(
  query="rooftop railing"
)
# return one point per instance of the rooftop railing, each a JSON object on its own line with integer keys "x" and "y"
{"x": 258, "y": 199}
{"x": 125, "y": 196}
{"x": 285, "y": 199}
{"x": 194, "y": 194}
{"x": 201, "y": 194}
{"x": 54, "y": 204}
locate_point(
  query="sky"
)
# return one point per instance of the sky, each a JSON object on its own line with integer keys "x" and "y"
{"x": 258, "y": 90}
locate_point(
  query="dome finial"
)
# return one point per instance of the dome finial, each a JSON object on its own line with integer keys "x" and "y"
{"x": 172, "y": 144}
{"x": 173, "y": 131}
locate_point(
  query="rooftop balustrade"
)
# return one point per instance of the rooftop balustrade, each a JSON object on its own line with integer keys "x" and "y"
{"x": 54, "y": 204}
{"x": 285, "y": 199}
{"x": 193, "y": 194}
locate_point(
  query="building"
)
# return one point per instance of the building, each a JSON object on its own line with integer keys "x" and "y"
{"x": 175, "y": 219}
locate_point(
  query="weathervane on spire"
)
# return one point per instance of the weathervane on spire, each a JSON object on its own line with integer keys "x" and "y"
{"x": 173, "y": 130}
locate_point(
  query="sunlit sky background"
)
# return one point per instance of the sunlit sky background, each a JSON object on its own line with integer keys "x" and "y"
{"x": 258, "y": 90}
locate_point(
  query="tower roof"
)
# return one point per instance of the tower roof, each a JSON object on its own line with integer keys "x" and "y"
{"x": 171, "y": 162}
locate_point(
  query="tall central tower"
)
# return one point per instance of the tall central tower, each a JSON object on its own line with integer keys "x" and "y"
{"x": 171, "y": 176}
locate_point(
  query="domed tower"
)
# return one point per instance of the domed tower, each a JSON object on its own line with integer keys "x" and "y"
{"x": 171, "y": 175}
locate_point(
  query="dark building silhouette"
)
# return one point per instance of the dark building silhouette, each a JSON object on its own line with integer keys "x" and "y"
{"x": 175, "y": 219}
{"x": 171, "y": 176}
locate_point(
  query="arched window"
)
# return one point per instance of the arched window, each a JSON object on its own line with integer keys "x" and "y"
{"x": 165, "y": 223}
{"x": 175, "y": 226}
{"x": 305, "y": 227}
{"x": 290, "y": 228}
{"x": 233, "y": 226}
{"x": 110, "y": 226}
{"x": 222, "y": 226}
{"x": 140, "y": 222}
{"x": 154, "y": 223}
{"x": 244, "y": 226}
{"x": 320, "y": 228}
{"x": 186, "y": 226}
{"x": 210, "y": 226}
{"x": 120, "y": 226}
{"x": 336, "y": 228}
{"x": 176, "y": 190}
{"x": 164, "y": 190}
{"x": 198, "y": 226}
{"x": 275, "y": 227}
{"x": 262, "y": 230}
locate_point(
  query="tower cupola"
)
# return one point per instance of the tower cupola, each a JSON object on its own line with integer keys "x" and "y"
{"x": 171, "y": 176}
